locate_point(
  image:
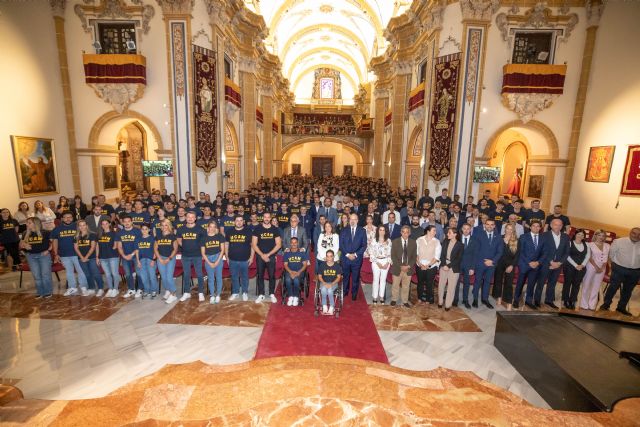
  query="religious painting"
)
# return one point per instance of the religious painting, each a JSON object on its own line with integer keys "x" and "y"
{"x": 326, "y": 84}
{"x": 35, "y": 166}
{"x": 296, "y": 169}
{"x": 535, "y": 186}
{"x": 631, "y": 177}
{"x": 599, "y": 164}
{"x": 205, "y": 108}
{"x": 110, "y": 177}
{"x": 347, "y": 170}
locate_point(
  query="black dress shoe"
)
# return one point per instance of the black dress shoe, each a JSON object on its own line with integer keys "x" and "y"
{"x": 516, "y": 305}
{"x": 393, "y": 303}
{"x": 566, "y": 305}
{"x": 487, "y": 304}
{"x": 466, "y": 304}
{"x": 455, "y": 304}
{"x": 572, "y": 305}
{"x": 623, "y": 311}
{"x": 537, "y": 304}
{"x": 407, "y": 305}
{"x": 447, "y": 308}
{"x": 604, "y": 308}
{"x": 475, "y": 303}
{"x": 531, "y": 306}
{"x": 552, "y": 305}
{"x": 439, "y": 305}
{"x": 354, "y": 297}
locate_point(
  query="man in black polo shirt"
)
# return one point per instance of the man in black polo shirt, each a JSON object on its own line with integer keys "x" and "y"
{"x": 266, "y": 243}
{"x": 240, "y": 253}
{"x": 557, "y": 214}
{"x": 534, "y": 214}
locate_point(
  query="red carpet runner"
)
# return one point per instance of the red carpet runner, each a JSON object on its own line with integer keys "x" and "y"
{"x": 295, "y": 331}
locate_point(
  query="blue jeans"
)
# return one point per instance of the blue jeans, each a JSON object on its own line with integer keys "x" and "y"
{"x": 70, "y": 263}
{"x": 327, "y": 294}
{"x": 214, "y": 274}
{"x": 111, "y": 273}
{"x": 293, "y": 285}
{"x": 239, "y": 276}
{"x": 147, "y": 274}
{"x": 92, "y": 273}
{"x": 129, "y": 268}
{"x": 187, "y": 262}
{"x": 166, "y": 274}
{"x": 40, "y": 266}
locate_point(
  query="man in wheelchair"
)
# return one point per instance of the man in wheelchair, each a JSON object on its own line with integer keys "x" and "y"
{"x": 296, "y": 262}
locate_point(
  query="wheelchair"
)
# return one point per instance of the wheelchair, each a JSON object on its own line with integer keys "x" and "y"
{"x": 304, "y": 288}
{"x": 338, "y": 300}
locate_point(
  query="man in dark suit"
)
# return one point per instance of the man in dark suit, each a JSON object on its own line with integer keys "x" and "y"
{"x": 490, "y": 248}
{"x": 329, "y": 212}
{"x": 403, "y": 263}
{"x": 307, "y": 222}
{"x": 353, "y": 243}
{"x": 371, "y": 210}
{"x": 528, "y": 264}
{"x": 315, "y": 208}
{"x": 393, "y": 229}
{"x": 93, "y": 219}
{"x": 295, "y": 230}
{"x": 555, "y": 250}
{"x": 467, "y": 265}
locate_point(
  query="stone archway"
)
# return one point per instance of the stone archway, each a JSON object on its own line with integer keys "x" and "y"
{"x": 355, "y": 154}
{"x": 413, "y": 158}
{"x": 232, "y": 158}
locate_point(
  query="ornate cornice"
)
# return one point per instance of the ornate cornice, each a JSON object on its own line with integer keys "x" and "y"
{"x": 479, "y": 10}
{"x": 114, "y": 9}
{"x": 539, "y": 16}
{"x": 595, "y": 9}
{"x": 58, "y": 7}
{"x": 176, "y": 7}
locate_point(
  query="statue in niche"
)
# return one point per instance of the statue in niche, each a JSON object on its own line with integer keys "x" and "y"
{"x": 206, "y": 97}
{"x": 443, "y": 108}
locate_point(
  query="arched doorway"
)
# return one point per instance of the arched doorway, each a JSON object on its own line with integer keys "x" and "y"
{"x": 132, "y": 150}
{"x": 231, "y": 158}
{"x": 413, "y": 160}
{"x": 343, "y": 158}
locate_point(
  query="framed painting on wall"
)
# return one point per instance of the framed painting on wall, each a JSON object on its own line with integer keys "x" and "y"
{"x": 347, "y": 170}
{"x": 35, "y": 163}
{"x": 535, "y": 186}
{"x": 599, "y": 163}
{"x": 296, "y": 169}
{"x": 110, "y": 177}
{"x": 631, "y": 177}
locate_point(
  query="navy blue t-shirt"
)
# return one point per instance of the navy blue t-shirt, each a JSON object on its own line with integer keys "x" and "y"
{"x": 139, "y": 218}
{"x": 66, "y": 235}
{"x": 8, "y": 232}
{"x": 204, "y": 222}
{"x": 329, "y": 273}
{"x": 128, "y": 239}
{"x": 107, "y": 210}
{"x": 239, "y": 244}
{"x": 84, "y": 244}
{"x": 165, "y": 244}
{"x": 191, "y": 238}
{"x": 266, "y": 237}
{"x": 144, "y": 246}
{"x": 38, "y": 243}
{"x": 177, "y": 224}
{"x": 228, "y": 223}
{"x": 105, "y": 245}
{"x": 295, "y": 260}
{"x": 212, "y": 244}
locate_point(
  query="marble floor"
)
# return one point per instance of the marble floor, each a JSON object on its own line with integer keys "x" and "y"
{"x": 62, "y": 359}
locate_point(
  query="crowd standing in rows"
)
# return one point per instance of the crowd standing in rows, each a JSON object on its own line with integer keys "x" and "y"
{"x": 336, "y": 222}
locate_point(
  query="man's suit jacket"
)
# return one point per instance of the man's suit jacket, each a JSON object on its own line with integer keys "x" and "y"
{"x": 356, "y": 245}
{"x": 488, "y": 250}
{"x": 396, "y": 231}
{"x": 91, "y": 222}
{"x": 308, "y": 223}
{"x": 549, "y": 250}
{"x": 469, "y": 253}
{"x": 396, "y": 256}
{"x": 313, "y": 211}
{"x": 301, "y": 234}
{"x": 377, "y": 218}
{"x": 528, "y": 251}
{"x": 331, "y": 214}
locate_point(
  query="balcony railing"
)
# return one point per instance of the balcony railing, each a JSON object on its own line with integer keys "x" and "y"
{"x": 320, "y": 129}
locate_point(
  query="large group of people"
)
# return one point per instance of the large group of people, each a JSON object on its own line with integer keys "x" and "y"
{"x": 474, "y": 249}
{"x": 321, "y": 124}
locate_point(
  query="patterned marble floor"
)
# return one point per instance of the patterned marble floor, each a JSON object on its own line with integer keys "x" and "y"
{"x": 77, "y": 359}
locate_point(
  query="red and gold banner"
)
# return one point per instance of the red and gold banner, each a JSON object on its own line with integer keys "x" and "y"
{"x": 416, "y": 97}
{"x": 112, "y": 68}
{"x": 232, "y": 93}
{"x": 387, "y": 118}
{"x": 259, "y": 115}
{"x": 275, "y": 127}
{"x": 206, "y": 108}
{"x": 443, "y": 115}
{"x": 631, "y": 177}
{"x": 365, "y": 125}
{"x": 533, "y": 78}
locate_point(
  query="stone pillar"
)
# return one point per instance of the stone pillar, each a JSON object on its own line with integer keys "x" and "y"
{"x": 594, "y": 12}
{"x": 267, "y": 133}
{"x": 277, "y": 146}
{"x": 58, "y": 8}
{"x": 381, "y": 95}
{"x": 401, "y": 89}
{"x": 247, "y": 67}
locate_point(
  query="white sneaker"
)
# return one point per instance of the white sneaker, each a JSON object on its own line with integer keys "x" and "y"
{"x": 324, "y": 309}
{"x": 295, "y": 301}
{"x": 259, "y": 299}
{"x": 171, "y": 299}
{"x": 129, "y": 293}
{"x": 233, "y": 297}
{"x": 330, "y": 312}
{"x": 200, "y": 297}
{"x": 273, "y": 298}
{"x": 84, "y": 292}
{"x": 217, "y": 299}
{"x": 166, "y": 295}
{"x": 138, "y": 294}
{"x": 115, "y": 293}
{"x": 185, "y": 297}
{"x": 245, "y": 296}
{"x": 70, "y": 291}
{"x": 289, "y": 301}
{"x": 91, "y": 292}
{"x": 212, "y": 300}
{"x": 100, "y": 293}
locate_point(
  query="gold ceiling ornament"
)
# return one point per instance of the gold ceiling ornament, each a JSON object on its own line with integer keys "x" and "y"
{"x": 326, "y": 8}
{"x": 302, "y": 57}
{"x": 114, "y": 9}
{"x": 539, "y": 16}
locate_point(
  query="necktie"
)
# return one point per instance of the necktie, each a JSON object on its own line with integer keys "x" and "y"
{"x": 535, "y": 241}
{"x": 490, "y": 237}
{"x": 466, "y": 241}
{"x": 404, "y": 252}
{"x": 390, "y": 228}
{"x": 353, "y": 233}
{"x": 293, "y": 232}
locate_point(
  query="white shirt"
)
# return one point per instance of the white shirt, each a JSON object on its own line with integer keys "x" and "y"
{"x": 326, "y": 242}
{"x": 625, "y": 253}
{"x": 385, "y": 217}
{"x": 556, "y": 239}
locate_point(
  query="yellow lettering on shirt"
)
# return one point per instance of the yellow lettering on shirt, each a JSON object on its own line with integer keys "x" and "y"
{"x": 329, "y": 272}
{"x": 68, "y": 233}
{"x": 189, "y": 236}
{"x": 105, "y": 239}
{"x": 128, "y": 238}
{"x": 164, "y": 242}
{"x": 212, "y": 244}
{"x": 295, "y": 259}
{"x": 84, "y": 242}
{"x": 266, "y": 235}
{"x": 238, "y": 238}
{"x": 34, "y": 239}
{"x": 144, "y": 245}
{"x": 8, "y": 226}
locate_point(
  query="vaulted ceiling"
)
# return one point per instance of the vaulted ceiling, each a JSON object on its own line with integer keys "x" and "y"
{"x": 339, "y": 34}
